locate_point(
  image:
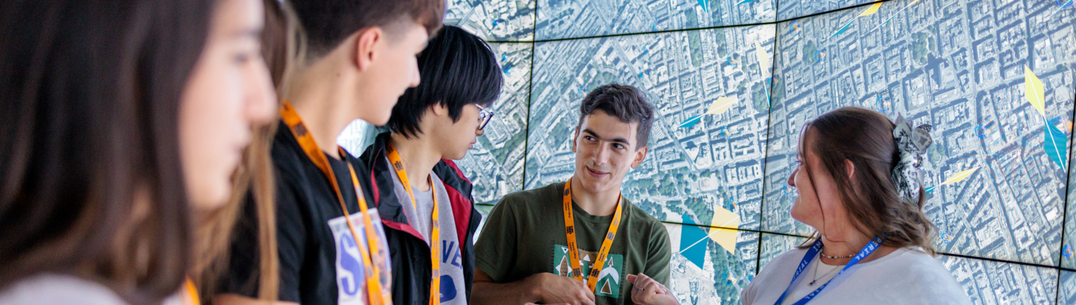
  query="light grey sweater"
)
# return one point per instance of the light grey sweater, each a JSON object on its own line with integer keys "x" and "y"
{"x": 51, "y": 288}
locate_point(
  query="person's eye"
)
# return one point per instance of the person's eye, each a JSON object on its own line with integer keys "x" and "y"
{"x": 618, "y": 146}
{"x": 588, "y": 138}
{"x": 241, "y": 58}
{"x": 244, "y": 57}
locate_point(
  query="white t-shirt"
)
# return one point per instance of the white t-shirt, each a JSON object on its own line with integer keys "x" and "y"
{"x": 904, "y": 276}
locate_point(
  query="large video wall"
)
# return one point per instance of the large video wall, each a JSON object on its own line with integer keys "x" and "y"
{"x": 734, "y": 80}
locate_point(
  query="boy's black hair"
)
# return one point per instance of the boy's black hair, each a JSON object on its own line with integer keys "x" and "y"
{"x": 327, "y": 23}
{"x": 624, "y": 102}
{"x": 457, "y": 68}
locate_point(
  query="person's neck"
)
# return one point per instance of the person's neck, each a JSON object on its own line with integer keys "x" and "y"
{"x": 324, "y": 110}
{"x": 597, "y": 204}
{"x": 418, "y": 156}
{"x": 849, "y": 244}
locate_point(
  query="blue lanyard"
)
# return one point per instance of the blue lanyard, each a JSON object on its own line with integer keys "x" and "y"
{"x": 811, "y": 253}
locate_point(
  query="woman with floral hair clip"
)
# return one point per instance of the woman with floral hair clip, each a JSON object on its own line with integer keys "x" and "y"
{"x": 858, "y": 186}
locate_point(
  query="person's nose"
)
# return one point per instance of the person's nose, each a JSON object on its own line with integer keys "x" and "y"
{"x": 601, "y": 156}
{"x": 416, "y": 77}
{"x": 792, "y": 178}
{"x": 261, "y": 96}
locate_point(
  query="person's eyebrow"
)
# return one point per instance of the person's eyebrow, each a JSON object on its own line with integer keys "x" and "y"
{"x": 614, "y": 140}
{"x": 255, "y": 33}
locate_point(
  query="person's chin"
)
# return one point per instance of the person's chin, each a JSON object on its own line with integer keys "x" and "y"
{"x": 211, "y": 198}
{"x": 796, "y": 215}
{"x": 379, "y": 120}
{"x": 594, "y": 184}
{"x": 457, "y": 156}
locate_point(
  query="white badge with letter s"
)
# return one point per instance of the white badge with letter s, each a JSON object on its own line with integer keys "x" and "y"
{"x": 350, "y": 274}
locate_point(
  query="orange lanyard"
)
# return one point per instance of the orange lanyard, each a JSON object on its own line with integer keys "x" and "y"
{"x": 573, "y": 248}
{"x": 192, "y": 292}
{"x": 372, "y": 271}
{"x": 435, "y": 234}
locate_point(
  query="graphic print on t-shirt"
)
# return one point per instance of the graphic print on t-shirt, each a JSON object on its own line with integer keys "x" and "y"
{"x": 350, "y": 276}
{"x": 450, "y": 257}
{"x": 608, "y": 280}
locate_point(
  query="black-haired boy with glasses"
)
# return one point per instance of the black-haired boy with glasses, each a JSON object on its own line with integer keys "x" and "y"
{"x": 424, "y": 200}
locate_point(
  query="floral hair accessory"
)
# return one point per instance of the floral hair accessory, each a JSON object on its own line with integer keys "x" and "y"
{"x": 911, "y": 143}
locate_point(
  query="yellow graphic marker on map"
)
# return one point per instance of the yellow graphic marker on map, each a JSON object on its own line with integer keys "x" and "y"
{"x": 723, "y": 228}
{"x": 959, "y": 176}
{"x": 1033, "y": 91}
{"x": 763, "y": 57}
{"x": 721, "y": 105}
{"x": 873, "y": 9}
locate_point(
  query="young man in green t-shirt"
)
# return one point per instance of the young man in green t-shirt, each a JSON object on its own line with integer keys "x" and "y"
{"x": 579, "y": 242}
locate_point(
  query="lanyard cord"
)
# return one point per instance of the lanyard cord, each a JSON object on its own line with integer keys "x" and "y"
{"x": 811, "y": 253}
{"x": 435, "y": 233}
{"x": 573, "y": 248}
{"x": 372, "y": 271}
{"x": 192, "y": 292}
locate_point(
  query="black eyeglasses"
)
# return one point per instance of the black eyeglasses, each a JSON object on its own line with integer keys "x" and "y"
{"x": 484, "y": 116}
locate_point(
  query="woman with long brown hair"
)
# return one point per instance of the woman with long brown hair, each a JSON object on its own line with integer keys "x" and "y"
{"x": 858, "y": 186}
{"x": 254, "y": 197}
{"x": 124, "y": 124}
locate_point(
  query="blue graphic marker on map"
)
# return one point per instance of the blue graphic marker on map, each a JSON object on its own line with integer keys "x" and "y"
{"x": 1054, "y": 145}
{"x": 947, "y": 237}
{"x": 693, "y": 242}
{"x": 690, "y": 122}
{"x": 882, "y": 103}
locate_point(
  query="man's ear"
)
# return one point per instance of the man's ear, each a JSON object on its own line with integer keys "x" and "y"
{"x": 639, "y": 156}
{"x": 575, "y": 138}
{"x": 437, "y": 109}
{"x": 851, "y": 168}
{"x": 366, "y": 44}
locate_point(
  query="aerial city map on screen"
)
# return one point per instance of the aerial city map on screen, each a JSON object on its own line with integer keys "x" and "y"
{"x": 733, "y": 82}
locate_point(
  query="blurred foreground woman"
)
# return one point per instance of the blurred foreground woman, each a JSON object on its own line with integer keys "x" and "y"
{"x": 858, "y": 186}
{"x": 124, "y": 123}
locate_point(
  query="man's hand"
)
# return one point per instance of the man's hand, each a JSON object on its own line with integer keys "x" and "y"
{"x": 647, "y": 291}
{"x": 554, "y": 289}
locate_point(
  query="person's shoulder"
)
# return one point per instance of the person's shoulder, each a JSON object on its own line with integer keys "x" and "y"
{"x": 58, "y": 289}
{"x": 451, "y": 176}
{"x": 926, "y": 279}
{"x": 915, "y": 262}
{"x": 640, "y": 217}
{"x": 774, "y": 273}
{"x": 286, "y": 154}
{"x": 790, "y": 257}
{"x": 910, "y": 256}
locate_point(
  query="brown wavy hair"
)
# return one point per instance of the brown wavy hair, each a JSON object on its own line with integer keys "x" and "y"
{"x": 254, "y": 181}
{"x": 865, "y": 137}
{"x": 90, "y": 177}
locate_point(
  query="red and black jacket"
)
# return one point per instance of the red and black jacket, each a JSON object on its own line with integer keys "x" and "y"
{"x": 409, "y": 252}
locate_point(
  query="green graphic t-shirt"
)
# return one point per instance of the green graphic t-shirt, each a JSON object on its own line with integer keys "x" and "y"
{"x": 524, "y": 235}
